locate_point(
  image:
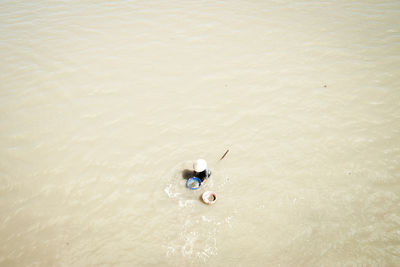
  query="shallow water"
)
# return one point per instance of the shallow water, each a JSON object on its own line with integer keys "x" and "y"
{"x": 103, "y": 105}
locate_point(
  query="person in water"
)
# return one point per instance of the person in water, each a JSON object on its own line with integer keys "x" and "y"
{"x": 200, "y": 169}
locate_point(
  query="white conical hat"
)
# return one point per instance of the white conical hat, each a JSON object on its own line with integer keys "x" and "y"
{"x": 200, "y": 165}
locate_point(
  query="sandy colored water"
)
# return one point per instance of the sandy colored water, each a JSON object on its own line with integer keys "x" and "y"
{"x": 104, "y": 104}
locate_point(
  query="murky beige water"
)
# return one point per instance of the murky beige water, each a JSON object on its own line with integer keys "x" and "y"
{"x": 103, "y": 104}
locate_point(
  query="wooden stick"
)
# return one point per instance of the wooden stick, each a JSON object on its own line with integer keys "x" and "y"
{"x": 224, "y": 155}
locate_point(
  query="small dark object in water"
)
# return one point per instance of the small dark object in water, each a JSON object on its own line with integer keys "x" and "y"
{"x": 224, "y": 155}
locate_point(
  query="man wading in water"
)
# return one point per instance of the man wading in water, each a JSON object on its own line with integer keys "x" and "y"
{"x": 200, "y": 169}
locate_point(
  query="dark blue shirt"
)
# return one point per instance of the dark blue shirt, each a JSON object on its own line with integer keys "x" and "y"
{"x": 202, "y": 175}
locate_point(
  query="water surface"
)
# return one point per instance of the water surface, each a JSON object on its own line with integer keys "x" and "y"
{"x": 103, "y": 105}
